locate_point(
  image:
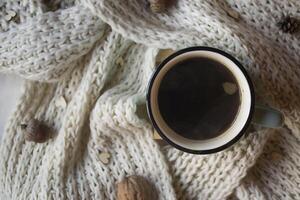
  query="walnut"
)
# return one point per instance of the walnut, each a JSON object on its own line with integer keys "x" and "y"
{"x": 136, "y": 188}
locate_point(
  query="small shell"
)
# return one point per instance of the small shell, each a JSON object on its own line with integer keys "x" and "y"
{"x": 8, "y": 17}
{"x": 229, "y": 10}
{"x": 230, "y": 88}
{"x": 157, "y": 6}
{"x": 156, "y": 136}
{"x": 120, "y": 61}
{"x": 11, "y": 13}
{"x": 163, "y": 54}
{"x": 104, "y": 157}
{"x": 232, "y": 13}
{"x": 136, "y": 188}
{"x": 61, "y": 102}
{"x": 36, "y": 131}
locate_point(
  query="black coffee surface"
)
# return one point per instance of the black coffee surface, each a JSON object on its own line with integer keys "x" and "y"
{"x": 198, "y": 98}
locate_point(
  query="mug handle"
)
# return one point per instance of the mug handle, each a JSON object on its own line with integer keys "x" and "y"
{"x": 267, "y": 117}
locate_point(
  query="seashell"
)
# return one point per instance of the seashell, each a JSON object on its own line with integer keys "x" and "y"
{"x": 61, "y": 102}
{"x": 104, "y": 157}
{"x": 230, "y": 88}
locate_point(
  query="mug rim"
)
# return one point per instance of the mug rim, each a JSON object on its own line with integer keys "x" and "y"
{"x": 186, "y": 50}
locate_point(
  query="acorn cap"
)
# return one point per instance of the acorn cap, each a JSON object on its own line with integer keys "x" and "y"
{"x": 289, "y": 24}
{"x": 36, "y": 131}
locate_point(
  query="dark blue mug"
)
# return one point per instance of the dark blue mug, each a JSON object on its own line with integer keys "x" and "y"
{"x": 247, "y": 112}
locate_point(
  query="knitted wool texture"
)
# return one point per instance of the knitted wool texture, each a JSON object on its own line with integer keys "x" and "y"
{"x": 98, "y": 55}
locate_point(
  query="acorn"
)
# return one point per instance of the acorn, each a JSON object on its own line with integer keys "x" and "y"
{"x": 136, "y": 188}
{"x": 36, "y": 131}
{"x": 157, "y": 6}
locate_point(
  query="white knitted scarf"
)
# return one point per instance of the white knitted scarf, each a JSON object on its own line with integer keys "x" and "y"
{"x": 98, "y": 56}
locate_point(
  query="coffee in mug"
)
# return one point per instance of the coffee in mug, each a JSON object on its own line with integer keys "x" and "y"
{"x": 201, "y": 100}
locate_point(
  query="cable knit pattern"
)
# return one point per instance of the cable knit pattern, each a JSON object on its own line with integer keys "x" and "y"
{"x": 276, "y": 173}
{"x": 99, "y": 55}
{"x": 44, "y": 47}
